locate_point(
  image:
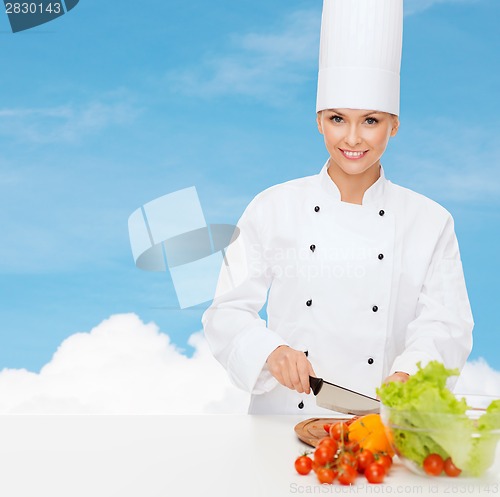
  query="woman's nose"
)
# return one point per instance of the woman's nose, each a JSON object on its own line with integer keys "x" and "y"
{"x": 352, "y": 139}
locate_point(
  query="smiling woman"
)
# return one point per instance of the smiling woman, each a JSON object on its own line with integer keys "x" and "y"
{"x": 380, "y": 285}
{"x": 355, "y": 140}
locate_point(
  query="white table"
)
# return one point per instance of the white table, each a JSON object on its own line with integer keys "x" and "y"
{"x": 170, "y": 456}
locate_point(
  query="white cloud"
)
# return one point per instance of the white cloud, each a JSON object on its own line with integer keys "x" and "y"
{"x": 479, "y": 378}
{"x": 64, "y": 123}
{"x": 263, "y": 65}
{"x": 123, "y": 366}
{"x": 414, "y": 6}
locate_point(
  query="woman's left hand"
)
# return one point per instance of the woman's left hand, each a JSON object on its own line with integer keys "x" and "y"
{"x": 397, "y": 376}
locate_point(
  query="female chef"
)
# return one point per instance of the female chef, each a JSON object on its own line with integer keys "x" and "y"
{"x": 362, "y": 278}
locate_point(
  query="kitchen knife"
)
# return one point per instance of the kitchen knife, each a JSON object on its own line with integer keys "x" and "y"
{"x": 337, "y": 398}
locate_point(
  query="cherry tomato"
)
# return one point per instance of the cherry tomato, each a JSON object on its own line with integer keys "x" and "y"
{"x": 347, "y": 474}
{"x": 303, "y": 465}
{"x": 352, "y": 446}
{"x": 450, "y": 469}
{"x": 325, "y": 475}
{"x": 348, "y": 458}
{"x": 329, "y": 441}
{"x": 324, "y": 454}
{"x": 385, "y": 460}
{"x": 339, "y": 431}
{"x": 365, "y": 458}
{"x": 349, "y": 421}
{"x": 326, "y": 427}
{"x": 433, "y": 464}
{"x": 375, "y": 473}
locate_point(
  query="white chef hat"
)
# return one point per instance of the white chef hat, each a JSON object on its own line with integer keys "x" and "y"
{"x": 360, "y": 55}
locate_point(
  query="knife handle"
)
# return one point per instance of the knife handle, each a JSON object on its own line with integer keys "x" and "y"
{"x": 316, "y": 384}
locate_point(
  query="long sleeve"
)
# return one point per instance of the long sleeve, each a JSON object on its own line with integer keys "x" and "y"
{"x": 442, "y": 328}
{"x": 237, "y": 336}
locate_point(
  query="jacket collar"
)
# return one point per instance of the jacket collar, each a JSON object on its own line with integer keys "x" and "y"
{"x": 373, "y": 195}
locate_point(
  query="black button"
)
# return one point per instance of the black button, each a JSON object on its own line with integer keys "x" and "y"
{"x": 316, "y": 209}
{"x": 301, "y": 405}
{"x": 374, "y": 308}
{"x": 313, "y": 248}
{"x": 309, "y": 303}
{"x": 370, "y": 361}
{"x": 381, "y": 212}
{"x": 380, "y": 256}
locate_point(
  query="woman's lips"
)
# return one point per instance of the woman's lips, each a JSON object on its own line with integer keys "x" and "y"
{"x": 353, "y": 154}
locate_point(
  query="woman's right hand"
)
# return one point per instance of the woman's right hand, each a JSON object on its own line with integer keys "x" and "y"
{"x": 291, "y": 368}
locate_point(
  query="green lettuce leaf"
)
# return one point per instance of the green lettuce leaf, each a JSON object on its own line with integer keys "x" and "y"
{"x": 426, "y": 417}
{"x": 484, "y": 445}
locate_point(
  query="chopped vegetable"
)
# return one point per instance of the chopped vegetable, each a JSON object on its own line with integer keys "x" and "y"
{"x": 484, "y": 446}
{"x": 338, "y": 458}
{"x": 427, "y": 418}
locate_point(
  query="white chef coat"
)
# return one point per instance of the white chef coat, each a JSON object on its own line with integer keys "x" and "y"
{"x": 366, "y": 290}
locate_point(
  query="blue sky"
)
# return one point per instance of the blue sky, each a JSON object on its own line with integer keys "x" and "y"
{"x": 107, "y": 108}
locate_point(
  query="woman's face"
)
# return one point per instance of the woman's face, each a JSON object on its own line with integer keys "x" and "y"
{"x": 356, "y": 139}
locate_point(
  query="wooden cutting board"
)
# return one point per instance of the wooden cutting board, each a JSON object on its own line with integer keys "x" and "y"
{"x": 311, "y": 431}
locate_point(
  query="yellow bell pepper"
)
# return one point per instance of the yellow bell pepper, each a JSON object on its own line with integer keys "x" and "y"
{"x": 369, "y": 432}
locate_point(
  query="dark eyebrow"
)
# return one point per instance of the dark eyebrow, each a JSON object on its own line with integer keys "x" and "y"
{"x": 364, "y": 115}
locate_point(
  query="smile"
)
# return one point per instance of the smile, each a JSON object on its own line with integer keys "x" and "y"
{"x": 353, "y": 154}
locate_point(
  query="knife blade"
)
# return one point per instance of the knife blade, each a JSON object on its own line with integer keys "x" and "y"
{"x": 341, "y": 399}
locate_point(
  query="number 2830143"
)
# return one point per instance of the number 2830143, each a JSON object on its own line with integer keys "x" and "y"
{"x": 32, "y": 8}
